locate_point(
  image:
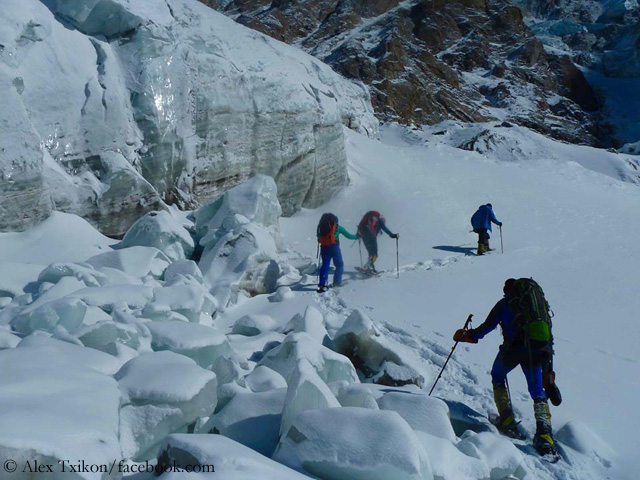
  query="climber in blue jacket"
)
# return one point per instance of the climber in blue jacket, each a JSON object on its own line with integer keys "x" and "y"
{"x": 481, "y": 222}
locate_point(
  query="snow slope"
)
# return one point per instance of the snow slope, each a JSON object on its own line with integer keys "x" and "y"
{"x": 569, "y": 228}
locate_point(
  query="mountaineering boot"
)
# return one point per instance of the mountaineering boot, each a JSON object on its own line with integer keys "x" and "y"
{"x": 370, "y": 265}
{"x": 543, "y": 439}
{"x": 322, "y": 289}
{"x": 506, "y": 422}
{"x": 481, "y": 249}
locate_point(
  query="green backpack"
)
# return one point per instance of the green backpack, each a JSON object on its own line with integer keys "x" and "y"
{"x": 531, "y": 310}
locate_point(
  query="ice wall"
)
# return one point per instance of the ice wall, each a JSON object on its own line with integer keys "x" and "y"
{"x": 116, "y": 107}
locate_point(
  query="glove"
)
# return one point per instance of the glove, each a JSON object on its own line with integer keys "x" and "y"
{"x": 464, "y": 336}
{"x": 395, "y": 235}
{"x": 499, "y": 224}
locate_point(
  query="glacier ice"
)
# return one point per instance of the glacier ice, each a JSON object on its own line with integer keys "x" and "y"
{"x": 263, "y": 379}
{"x": 379, "y": 358}
{"x": 47, "y": 416}
{"x": 306, "y": 391}
{"x": 232, "y": 460}
{"x": 161, "y": 230}
{"x": 202, "y": 344}
{"x": 296, "y": 347}
{"x": 421, "y": 412}
{"x": 164, "y": 393}
{"x": 354, "y": 443}
{"x": 117, "y": 108}
{"x": 311, "y": 322}
{"x": 252, "y": 419}
{"x": 253, "y": 324}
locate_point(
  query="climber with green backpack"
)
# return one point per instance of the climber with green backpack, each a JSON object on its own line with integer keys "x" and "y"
{"x": 525, "y": 318}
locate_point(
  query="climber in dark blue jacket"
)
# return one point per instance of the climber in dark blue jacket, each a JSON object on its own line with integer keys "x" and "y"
{"x": 481, "y": 222}
{"x": 514, "y": 352}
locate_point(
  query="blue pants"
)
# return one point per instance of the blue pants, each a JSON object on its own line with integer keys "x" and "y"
{"x": 328, "y": 253}
{"x": 508, "y": 359}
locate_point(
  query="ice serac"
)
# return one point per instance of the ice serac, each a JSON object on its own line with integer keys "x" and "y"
{"x": 239, "y": 240}
{"x": 124, "y": 106}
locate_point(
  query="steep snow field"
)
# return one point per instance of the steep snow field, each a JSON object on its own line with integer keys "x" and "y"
{"x": 571, "y": 229}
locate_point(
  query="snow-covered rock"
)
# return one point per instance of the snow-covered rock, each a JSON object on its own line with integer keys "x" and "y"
{"x": 354, "y": 443}
{"x": 377, "y": 357}
{"x": 501, "y": 456}
{"x": 252, "y": 419}
{"x": 161, "y": 230}
{"x": 421, "y": 412}
{"x": 47, "y": 416}
{"x": 263, "y": 379}
{"x": 202, "y": 344}
{"x": 253, "y": 324}
{"x": 306, "y": 391}
{"x": 92, "y": 127}
{"x": 164, "y": 393}
{"x": 231, "y": 460}
{"x": 296, "y": 347}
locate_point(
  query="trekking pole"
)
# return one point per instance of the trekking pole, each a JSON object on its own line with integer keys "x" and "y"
{"x": 466, "y": 326}
{"x": 397, "y": 259}
{"x": 501, "y": 244}
{"x": 318, "y": 262}
{"x": 360, "y": 252}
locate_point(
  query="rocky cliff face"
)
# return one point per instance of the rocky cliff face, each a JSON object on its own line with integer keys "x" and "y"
{"x": 603, "y": 38}
{"x": 427, "y": 61}
{"x": 124, "y": 106}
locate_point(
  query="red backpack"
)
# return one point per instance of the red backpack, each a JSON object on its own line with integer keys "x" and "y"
{"x": 326, "y": 231}
{"x": 371, "y": 222}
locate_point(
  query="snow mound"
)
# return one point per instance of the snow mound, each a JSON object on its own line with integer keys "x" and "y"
{"x": 354, "y": 443}
{"x": 582, "y": 439}
{"x": 501, "y": 456}
{"x": 139, "y": 262}
{"x": 232, "y": 461}
{"x": 162, "y": 231}
{"x": 296, "y": 347}
{"x": 164, "y": 393}
{"x": 252, "y": 419}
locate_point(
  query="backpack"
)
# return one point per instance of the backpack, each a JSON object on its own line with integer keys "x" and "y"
{"x": 479, "y": 219}
{"x": 326, "y": 231}
{"x": 370, "y": 222}
{"x": 533, "y": 321}
{"x": 531, "y": 311}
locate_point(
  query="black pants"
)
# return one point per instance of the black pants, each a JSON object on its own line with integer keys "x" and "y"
{"x": 370, "y": 242}
{"x": 483, "y": 236}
